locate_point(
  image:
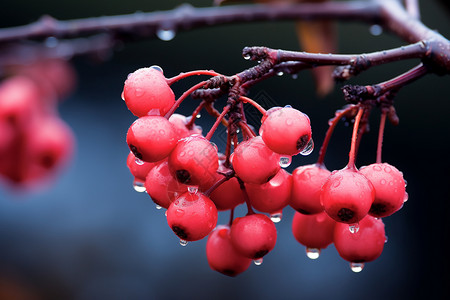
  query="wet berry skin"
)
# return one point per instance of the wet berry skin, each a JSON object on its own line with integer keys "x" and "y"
{"x": 313, "y": 231}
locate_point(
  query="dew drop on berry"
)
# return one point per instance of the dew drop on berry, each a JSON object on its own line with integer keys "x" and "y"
{"x": 276, "y": 218}
{"x": 138, "y": 161}
{"x": 353, "y": 228}
{"x": 385, "y": 239}
{"x": 158, "y": 68}
{"x": 158, "y": 207}
{"x": 122, "y": 96}
{"x": 309, "y": 148}
{"x": 214, "y": 145}
{"x": 183, "y": 243}
{"x": 139, "y": 186}
{"x": 138, "y": 92}
{"x": 165, "y": 34}
{"x": 179, "y": 212}
{"x": 285, "y": 161}
{"x": 356, "y": 267}
{"x": 382, "y": 181}
{"x": 312, "y": 253}
{"x": 192, "y": 189}
{"x": 405, "y": 197}
{"x": 406, "y": 183}
{"x": 288, "y": 106}
{"x": 258, "y": 261}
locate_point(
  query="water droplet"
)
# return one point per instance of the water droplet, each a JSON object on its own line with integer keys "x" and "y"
{"x": 354, "y": 228}
{"x": 122, "y": 96}
{"x": 138, "y": 92}
{"x": 313, "y": 253}
{"x": 179, "y": 212}
{"x": 51, "y": 42}
{"x": 385, "y": 239}
{"x": 183, "y": 243}
{"x": 247, "y": 56}
{"x": 192, "y": 189}
{"x": 376, "y": 30}
{"x": 198, "y": 116}
{"x": 294, "y": 76}
{"x": 276, "y": 218}
{"x": 165, "y": 34}
{"x": 138, "y": 161}
{"x": 406, "y": 182}
{"x": 357, "y": 267}
{"x": 285, "y": 161}
{"x": 309, "y": 148}
{"x": 214, "y": 145}
{"x": 158, "y": 68}
{"x": 288, "y": 106}
{"x": 258, "y": 261}
{"x": 158, "y": 207}
{"x": 280, "y": 73}
{"x": 382, "y": 181}
{"x": 139, "y": 186}
{"x": 405, "y": 197}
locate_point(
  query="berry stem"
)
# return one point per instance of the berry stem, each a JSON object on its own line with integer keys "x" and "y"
{"x": 182, "y": 97}
{"x": 217, "y": 184}
{"x": 250, "y": 210}
{"x": 380, "y": 135}
{"x": 352, "y": 153}
{"x": 246, "y": 130}
{"x": 195, "y": 114}
{"x": 183, "y": 75}
{"x": 230, "y": 222}
{"x": 218, "y": 121}
{"x": 333, "y": 123}
{"x": 255, "y": 104}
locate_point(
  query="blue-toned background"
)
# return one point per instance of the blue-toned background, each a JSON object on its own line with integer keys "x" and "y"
{"x": 91, "y": 236}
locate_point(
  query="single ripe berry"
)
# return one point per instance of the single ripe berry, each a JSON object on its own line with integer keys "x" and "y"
{"x": 227, "y": 195}
{"x": 254, "y": 235}
{"x": 389, "y": 188}
{"x": 161, "y": 186}
{"x": 179, "y": 122}
{"x": 194, "y": 161}
{"x": 139, "y": 169}
{"x": 363, "y": 245}
{"x": 307, "y": 182}
{"x": 221, "y": 255}
{"x": 272, "y": 196}
{"x": 313, "y": 231}
{"x": 151, "y": 138}
{"x": 286, "y": 131}
{"x": 146, "y": 92}
{"x": 192, "y": 216}
{"x": 254, "y": 162}
{"x": 347, "y": 196}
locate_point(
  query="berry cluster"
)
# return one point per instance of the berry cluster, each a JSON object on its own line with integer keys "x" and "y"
{"x": 183, "y": 171}
{"x": 34, "y": 140}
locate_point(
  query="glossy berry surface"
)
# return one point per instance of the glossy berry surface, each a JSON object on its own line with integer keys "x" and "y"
{"x": 347, "y": 196}
{"x": 286, "y": 131}
{"x": 221, "y": 255}
{"x": 192, "y": 216}
{"x": 227, "y": 195}
{"x": 389, "y": 188}
{"x": 254, "y": 235}
{"x": 139, "y": 169}
{"x": 254, "y": 162}
{"x": 313, "y": 231}
{"x": 151, "y": 138}
{"x": 307, "y": 182}
{"x": 146, "y": 92}
{"x": 364, "y": 245}
{"x": 194, "y": 161}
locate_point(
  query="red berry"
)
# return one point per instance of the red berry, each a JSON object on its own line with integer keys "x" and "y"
{"x": 254, "y": 162}
{"x": 313, "y": 231}
{"x": 254, "y": 235}
{"x": 194, "y": 161}
{"x": 221, "y": 255}
{"x": 161, "y": 186}
{"x": 151, "y": 138}
{"x": 389, "y": 188}
{"x": 347, "y": 195}
{"x": 286, "y": 131}
{"x": 227, "y": 195}
{"x": 192, "y": 216}
{"x": 363, "y": 245}
{"x": 307, "y": 182}
{"x": 139, "y": 169}
{"x": 179, "y": 122}
{"x": 273, "y": 196}
{"x": 146, "y": 92}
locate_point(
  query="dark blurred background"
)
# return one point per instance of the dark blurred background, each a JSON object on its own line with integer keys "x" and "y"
{"x": 91, "y": 236}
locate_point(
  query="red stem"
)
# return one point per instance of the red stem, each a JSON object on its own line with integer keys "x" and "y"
{"x": 184, "y": 96}
{"x": 218, "y": 121}
{"x": 380, "y": 135}
{"x": 351, "y": 161}
{"x": 183, "y": 75}
{"x": 195, "y": 114}
{"x": 246, "y": 129}
{"x": 255, "y": 104}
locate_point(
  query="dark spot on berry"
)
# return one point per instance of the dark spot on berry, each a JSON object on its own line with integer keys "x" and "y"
{"x": 183, "y": 176}
{"x": 302, "y": 142}
{"x": 47, "y": 161}
{"x": 135, "y": 151}
{"x": 302, "y": 211}
{"x": 378, "y": 209}
{"x": 180, "y": 232}
{"x": 260, "y": 253}
{"x": 228, "y": 272}
{"x": 345, "y": 214}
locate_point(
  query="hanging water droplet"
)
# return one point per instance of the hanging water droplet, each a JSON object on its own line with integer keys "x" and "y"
{"x": 214, "y": 145}
{"x": 385, "y": 239}
{"x": 276, "y": 217}
{"x": 357, "y": 267}
{"x": 405, "y": 197}
{"x": 406, "y": 182}
{"x": 313, "y": 253}
{"x": 376, "y": 30}
{"x": 139, "y": 186}
{"x": 309, "y": 148}
{"x": 354, "y": 228}
{"x": 158, "y": 68}
{"x": 183, "y": 243}
{"x": 247, "y": 56}
{"x": 165, "y": 34}
{"x": 198, "y": 116}
{"x": 285, "y": 161}
{"x": 138, "y": 161}
{"x": 51, "y": 42}
{"x": 158, "y": 207}
{"x": 258, "y": 261}
{"x": 192, "y": 189}
{"x": 288, "y": 106}
{"x": 280, "y": 73}
{"x": 122, "y": 96}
